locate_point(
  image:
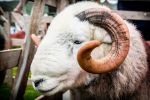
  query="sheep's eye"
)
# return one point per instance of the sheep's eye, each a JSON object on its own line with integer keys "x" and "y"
{"x": 77, "y": 42}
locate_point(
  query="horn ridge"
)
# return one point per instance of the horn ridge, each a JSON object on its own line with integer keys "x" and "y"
{"x": 119, "y": 33}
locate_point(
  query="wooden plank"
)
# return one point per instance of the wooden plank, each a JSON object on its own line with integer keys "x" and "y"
{"x": 61, "y": 4}
{"x": 23, "y": 71}
{"x": 6, "y": 30}
{"x": 134, "y": 15}
{"x": 44, "y": 19}
{"x": 47, "y": 19}
{"x": 51, "y": 2}
{"x": 21, "y": 20}
{"x": 9, "y": 58}
{"x": 17, "y": 42}
{"x": 8, "y": 77}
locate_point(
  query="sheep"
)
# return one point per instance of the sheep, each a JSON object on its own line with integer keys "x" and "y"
{"x": 117, "y": 68}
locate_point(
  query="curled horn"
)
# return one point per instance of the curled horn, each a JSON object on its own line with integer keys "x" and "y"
{"x": 114, "y": 24}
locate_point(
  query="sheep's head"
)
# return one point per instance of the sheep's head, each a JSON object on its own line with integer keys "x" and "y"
{"x": 63, "y": 59}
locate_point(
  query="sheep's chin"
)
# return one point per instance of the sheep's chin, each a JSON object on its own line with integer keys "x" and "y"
{"x": 50, "y": 90}
{"x": 53, "y": 85}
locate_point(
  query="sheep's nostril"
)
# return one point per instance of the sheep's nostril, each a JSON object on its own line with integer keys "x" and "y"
{"x": 37, "y": 82}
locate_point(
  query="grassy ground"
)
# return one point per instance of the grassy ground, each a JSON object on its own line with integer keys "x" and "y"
{"x": 30, "y": 93}
{"x": 4, "y": 92}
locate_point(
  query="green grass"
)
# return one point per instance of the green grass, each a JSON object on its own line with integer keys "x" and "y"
{"x": 30, "y": 93}
{"x": 4, "y": 92}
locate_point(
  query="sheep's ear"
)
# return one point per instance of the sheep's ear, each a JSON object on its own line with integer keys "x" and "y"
{"x": 35, "y": 39}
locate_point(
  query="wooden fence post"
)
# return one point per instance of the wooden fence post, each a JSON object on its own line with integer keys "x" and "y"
{"x": 28, "y": 52}
{"x": 61, "y": 4}
{"x": 8, "y": 76}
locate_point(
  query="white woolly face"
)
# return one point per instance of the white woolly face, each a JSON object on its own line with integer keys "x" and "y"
{"x": 55, "y": 67}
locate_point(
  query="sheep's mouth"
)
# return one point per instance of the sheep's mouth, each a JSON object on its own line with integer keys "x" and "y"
{"x": 46, "y": 91}
{"x": 47, "y": 88}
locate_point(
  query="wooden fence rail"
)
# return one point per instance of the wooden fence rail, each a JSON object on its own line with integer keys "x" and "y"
{"x": 9, "y": 58}
{"x": 28, "y": 52}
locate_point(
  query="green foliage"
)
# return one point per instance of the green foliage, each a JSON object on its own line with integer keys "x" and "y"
{"x": 4, "y": 92}
{"x": 30, "y": 93}
{"x": 27, "y": 8}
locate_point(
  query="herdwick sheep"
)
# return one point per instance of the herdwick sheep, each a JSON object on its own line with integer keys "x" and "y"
{"x": 117, "y": 68}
